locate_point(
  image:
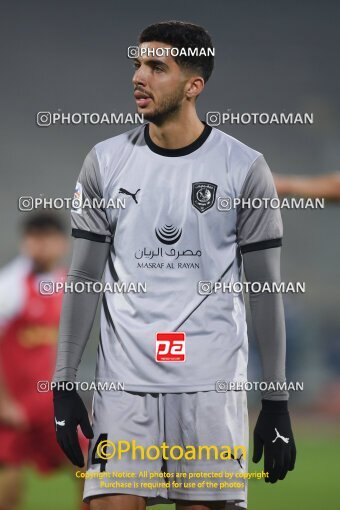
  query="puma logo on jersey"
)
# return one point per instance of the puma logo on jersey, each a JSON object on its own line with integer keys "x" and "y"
{"x": 278, "y": 435}
{"x": 238, "y": 459}
{"x": 126, "y": 192}
{"x": 231, "y": 456}
{"x": 60, "y": 423}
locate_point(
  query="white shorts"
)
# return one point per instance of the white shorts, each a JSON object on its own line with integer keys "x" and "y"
{"x": 139, "y": 423}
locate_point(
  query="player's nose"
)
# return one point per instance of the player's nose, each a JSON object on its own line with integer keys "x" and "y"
{"x": 139, "y": 77}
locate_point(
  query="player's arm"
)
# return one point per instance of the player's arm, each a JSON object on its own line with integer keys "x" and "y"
{"x": 79, "y": 308}
{"x": 260, "y": 239}
{"x": 269, "y": 329}
{"x": 91, "y": 249}
{"x": 326, "y": 186}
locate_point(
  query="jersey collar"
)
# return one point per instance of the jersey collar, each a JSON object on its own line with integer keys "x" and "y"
{"x": 183, "y": 151}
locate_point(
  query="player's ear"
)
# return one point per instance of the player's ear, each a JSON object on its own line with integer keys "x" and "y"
{"x": 194, "y": 87}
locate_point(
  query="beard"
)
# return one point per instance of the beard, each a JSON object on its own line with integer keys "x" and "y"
{"x": 168, "y": 108}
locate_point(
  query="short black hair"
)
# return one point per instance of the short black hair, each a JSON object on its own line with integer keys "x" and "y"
{"x": 43, "y": 222}
{"x": 180, "y": 34}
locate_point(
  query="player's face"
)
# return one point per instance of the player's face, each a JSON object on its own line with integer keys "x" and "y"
{"x": 159, "y": 85}
{"x": 45, "y": 249}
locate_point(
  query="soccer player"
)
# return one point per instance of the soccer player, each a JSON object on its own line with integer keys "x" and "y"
{"x": 29, "y": 322}
{"x": 176, "y": 174}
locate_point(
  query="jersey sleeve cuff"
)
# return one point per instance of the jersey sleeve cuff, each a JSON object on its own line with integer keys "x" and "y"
{"x": 261, "y": 245}
{"x": 91, "y": 236}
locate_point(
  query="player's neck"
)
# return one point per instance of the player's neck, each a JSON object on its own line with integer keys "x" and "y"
{"x": 43, "y": 268}
{"x": 177, "y": 132}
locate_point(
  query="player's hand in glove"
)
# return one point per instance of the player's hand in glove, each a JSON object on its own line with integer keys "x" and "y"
{"x": 69, "y": 412}
{"x": 273, "y": 433}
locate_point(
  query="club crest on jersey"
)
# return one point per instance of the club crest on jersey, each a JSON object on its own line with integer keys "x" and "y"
{"x": 203, "y": 195}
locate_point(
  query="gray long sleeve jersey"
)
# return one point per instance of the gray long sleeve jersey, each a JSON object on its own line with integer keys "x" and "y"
{"x": 78, "y": 311}
{"x": 172, "y": 232}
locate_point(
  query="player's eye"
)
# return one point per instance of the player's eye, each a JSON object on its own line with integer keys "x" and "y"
{"x": 136, "y": 65}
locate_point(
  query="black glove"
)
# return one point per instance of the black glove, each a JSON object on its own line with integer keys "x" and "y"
{"x": 273, "y": 431}
{"x": 69, "y": 412}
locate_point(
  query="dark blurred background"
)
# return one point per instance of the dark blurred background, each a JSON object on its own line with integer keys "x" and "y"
{"x": 278, "y": 56}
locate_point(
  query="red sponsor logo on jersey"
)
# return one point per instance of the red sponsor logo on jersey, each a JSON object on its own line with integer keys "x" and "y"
{"x": 170, "y": 346}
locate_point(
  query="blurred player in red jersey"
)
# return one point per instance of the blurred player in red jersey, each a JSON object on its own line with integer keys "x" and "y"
{"x": 29, "y": 319}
